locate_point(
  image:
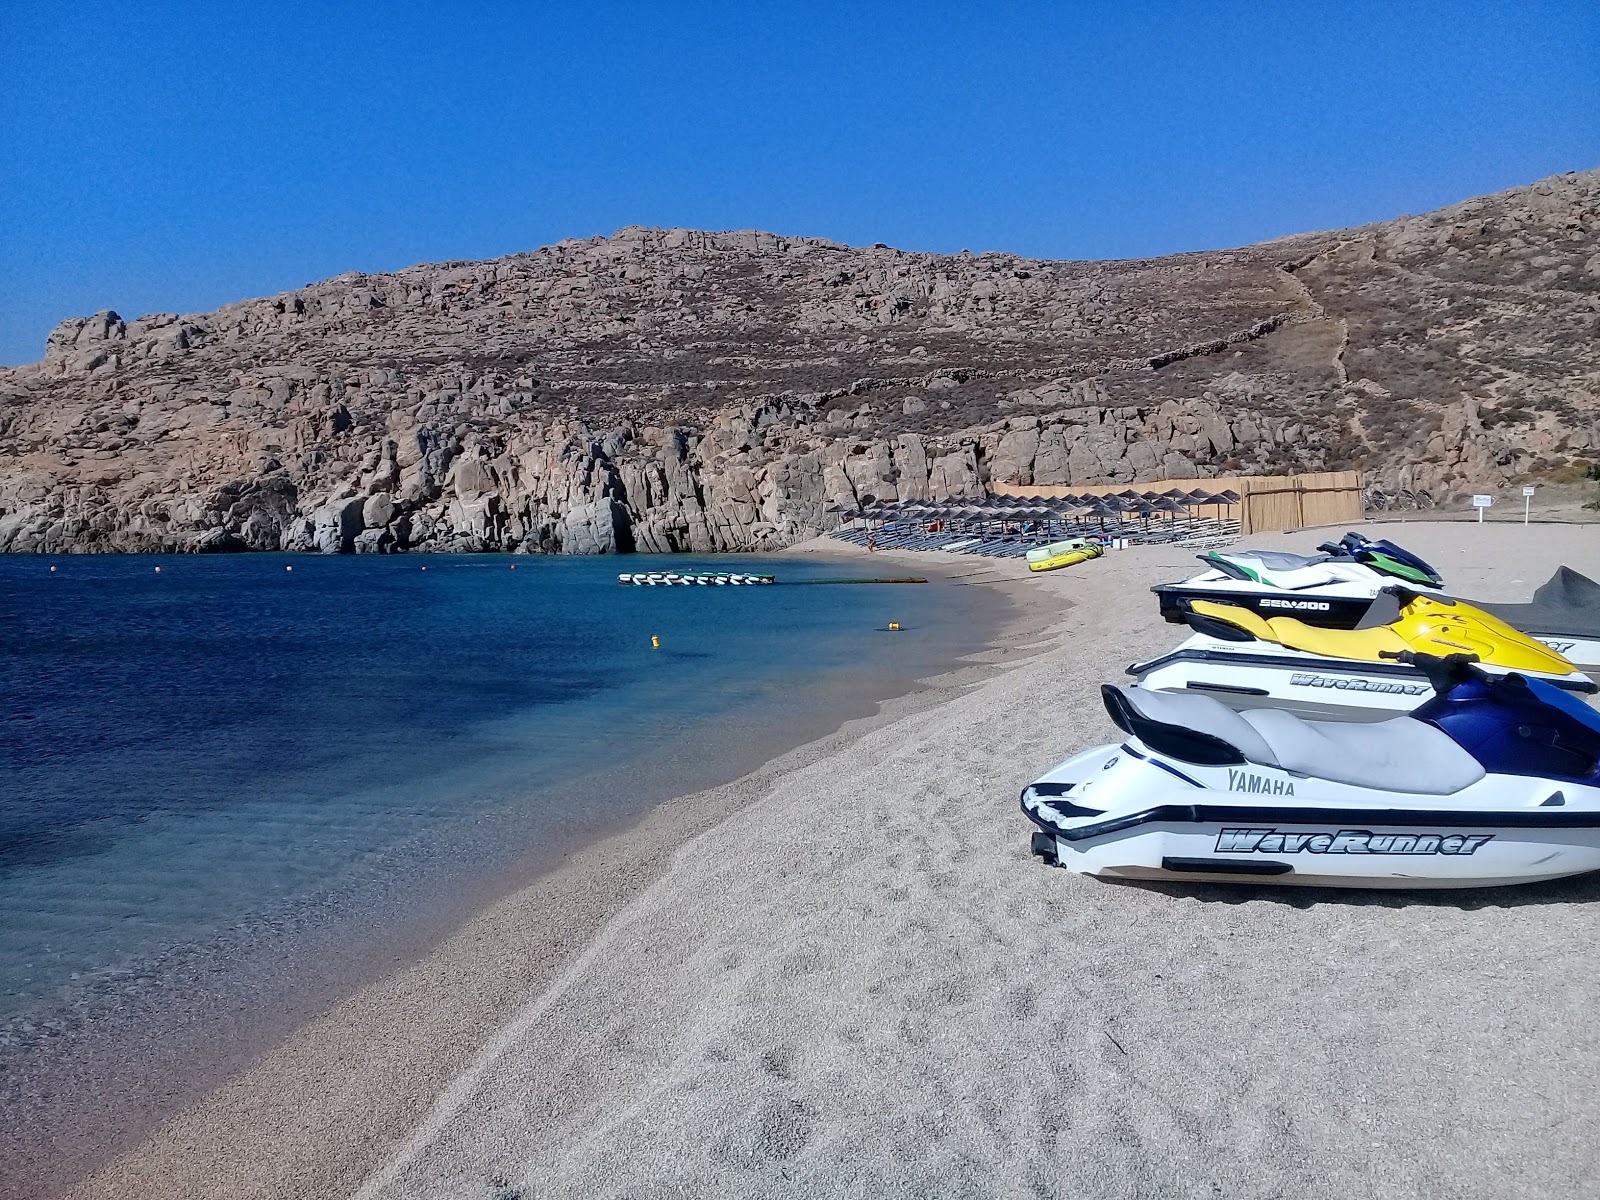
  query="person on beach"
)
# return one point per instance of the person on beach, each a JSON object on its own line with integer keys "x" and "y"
{"x": 872, "y": 543}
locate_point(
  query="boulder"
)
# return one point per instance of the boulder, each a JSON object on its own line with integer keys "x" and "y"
{"x": 378, "y": 510}
{"x": 336, "y": 524}
{"x": 598, "y": 527}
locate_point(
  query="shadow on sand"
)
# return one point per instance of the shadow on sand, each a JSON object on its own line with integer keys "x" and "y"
{"x": 1578, "y": 889}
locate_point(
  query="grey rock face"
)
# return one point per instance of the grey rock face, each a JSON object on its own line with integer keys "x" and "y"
{"x": 677, "y": 390}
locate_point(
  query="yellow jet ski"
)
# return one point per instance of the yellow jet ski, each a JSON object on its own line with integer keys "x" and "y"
{"x": 1250, "y": 661}
{"x": 1424, "y": 625}
{"x": 1063, "y": 554}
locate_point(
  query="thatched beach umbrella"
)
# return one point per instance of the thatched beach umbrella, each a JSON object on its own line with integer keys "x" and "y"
{"x": 1170, "y": 507}
{"x": 1101, "y": 509}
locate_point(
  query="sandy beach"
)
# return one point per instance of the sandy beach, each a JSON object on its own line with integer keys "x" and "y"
{"x": 844, "y": 975}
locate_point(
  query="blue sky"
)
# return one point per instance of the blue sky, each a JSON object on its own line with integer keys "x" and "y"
{"x": 160, "y": 157}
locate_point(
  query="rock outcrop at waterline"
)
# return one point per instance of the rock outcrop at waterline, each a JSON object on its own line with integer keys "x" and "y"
{"x": 677, "y": 390}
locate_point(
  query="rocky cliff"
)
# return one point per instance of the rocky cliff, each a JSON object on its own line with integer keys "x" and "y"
{"x": 678, "y": 390}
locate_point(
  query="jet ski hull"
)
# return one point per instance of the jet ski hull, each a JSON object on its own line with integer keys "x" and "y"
{"x": 1582, "y": 652}
{"x": 1341, "y": 609}
{"x": 1257, "y": 674}
{"x": 1125, "y": 812}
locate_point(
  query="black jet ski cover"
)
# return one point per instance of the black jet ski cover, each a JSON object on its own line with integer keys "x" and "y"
{"x": 1567, "y": 602}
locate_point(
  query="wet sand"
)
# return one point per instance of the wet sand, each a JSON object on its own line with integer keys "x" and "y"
{"x": 845, "y": 976}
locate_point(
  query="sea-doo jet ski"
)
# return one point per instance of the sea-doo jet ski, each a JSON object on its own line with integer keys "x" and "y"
{"x": 1564, "y": 614}
{"x": 1334, "y": 587}
{"x": 1249, "y": 661}
{"x": 1494, "y": 780}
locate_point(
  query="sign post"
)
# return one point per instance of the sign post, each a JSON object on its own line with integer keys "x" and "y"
{"x": 1480, "y": 503}
{"x": 1527, "y": 494}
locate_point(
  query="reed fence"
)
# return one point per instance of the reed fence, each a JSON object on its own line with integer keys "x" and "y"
{"x": 1266, "y": 502}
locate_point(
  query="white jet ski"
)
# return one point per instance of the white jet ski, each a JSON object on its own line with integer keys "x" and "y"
{"x": 1248, "y": 661}
{"x": 1493, "y": 781}
{"x": 1334, "y": 587}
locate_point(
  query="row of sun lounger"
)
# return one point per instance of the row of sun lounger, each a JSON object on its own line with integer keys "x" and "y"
{"x": 1000, "y": 541}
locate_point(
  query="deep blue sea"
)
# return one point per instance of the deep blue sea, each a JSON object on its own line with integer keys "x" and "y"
{"x": 214, "y": 766}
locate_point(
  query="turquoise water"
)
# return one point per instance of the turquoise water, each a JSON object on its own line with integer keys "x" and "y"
{"x": 225, "y": 767}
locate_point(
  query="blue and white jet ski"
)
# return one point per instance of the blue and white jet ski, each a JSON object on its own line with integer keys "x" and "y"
{"x": 1495, "y": 780}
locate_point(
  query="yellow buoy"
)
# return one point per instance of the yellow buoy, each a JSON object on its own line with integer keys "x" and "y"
{"x": 894, "y": 626}
{"x": 655, "y": 642}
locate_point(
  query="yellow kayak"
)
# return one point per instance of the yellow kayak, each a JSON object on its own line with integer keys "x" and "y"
{"x": 1426, "y": 624}
{"x": 1063, "y": 554}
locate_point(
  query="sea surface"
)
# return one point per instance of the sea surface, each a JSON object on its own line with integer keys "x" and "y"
{"x": 258, "y": 775}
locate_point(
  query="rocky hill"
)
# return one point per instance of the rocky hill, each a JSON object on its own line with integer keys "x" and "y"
{"x": 680, "y": 390}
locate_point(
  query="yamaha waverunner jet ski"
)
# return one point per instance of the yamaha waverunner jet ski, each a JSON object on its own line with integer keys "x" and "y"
{"x": 1334, "y": 587}
{"x": 1564, "y": 614}
{"x": 1249, "y": 661}
{"x": 1494, "y": 780}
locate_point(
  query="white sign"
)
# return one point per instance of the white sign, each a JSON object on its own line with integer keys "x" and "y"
{"x": 1527, "y": 491}
{"x": 1482, "y": 501}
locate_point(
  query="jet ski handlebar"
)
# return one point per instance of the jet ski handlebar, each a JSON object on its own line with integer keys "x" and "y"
{"x": 1444, "y": 671}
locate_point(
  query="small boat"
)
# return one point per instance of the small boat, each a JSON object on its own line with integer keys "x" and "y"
{"x": 1494, "y": 780}
{"x": 1249, "y": 661}
{"x": 1063, "y": 554}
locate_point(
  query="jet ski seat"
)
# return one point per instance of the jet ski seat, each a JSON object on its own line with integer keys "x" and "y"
{"x": 1193, "y": 728}
{"x": 1399, "y": 755}
{"x": 1272, "y": 560}
{"x": 1271, "y": 568}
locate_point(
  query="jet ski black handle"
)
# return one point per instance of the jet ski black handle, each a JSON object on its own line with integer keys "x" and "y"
{"x": 1444, "y": 671}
